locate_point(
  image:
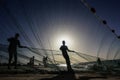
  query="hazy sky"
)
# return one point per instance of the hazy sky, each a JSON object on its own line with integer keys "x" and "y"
{"x": 45, "y": 23}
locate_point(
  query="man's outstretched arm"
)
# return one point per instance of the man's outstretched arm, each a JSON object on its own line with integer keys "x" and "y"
{"x": 20, "y": 46}
{"x": 70, "y": 50}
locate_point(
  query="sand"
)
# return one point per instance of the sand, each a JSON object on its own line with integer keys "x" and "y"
{"x": 76, "y": 76}
{"x": 26, "y": 73}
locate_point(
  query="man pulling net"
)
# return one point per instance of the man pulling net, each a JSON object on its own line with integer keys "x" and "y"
{"x": 64, "y": 50}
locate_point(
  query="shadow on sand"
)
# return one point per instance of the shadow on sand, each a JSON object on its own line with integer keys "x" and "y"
{"x": 89, "y": 78}
{"x": 71, "y": 76}
{"x": 62, "y": 76}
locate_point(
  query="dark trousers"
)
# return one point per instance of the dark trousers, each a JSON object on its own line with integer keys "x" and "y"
{"x": 11, "y": 54}
{"x": 67, "y": 59}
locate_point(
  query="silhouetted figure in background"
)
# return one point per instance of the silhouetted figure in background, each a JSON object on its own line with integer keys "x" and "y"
{"x": 64, "y": 50}
{"x": 31, "y": 62}
{"x": 99, "y": 61}
{"x": 45, "y": 61}
{"x": 12, "y": 49}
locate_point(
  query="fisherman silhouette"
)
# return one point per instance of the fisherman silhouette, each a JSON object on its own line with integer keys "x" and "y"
{"x": 45, "y": 58}
{"x": 12, "y": 49}
{"x": 99, "y": 61}
{"x": 64, "y": 50}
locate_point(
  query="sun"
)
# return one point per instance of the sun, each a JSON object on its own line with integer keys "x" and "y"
{"x": 66, "y": 38}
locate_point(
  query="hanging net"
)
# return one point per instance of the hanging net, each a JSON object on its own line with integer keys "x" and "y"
{"x": 43, "y": 24}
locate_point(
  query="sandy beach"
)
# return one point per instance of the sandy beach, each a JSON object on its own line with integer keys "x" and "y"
{"x": 28, "y": 73}
{"x": 63, "y": 76}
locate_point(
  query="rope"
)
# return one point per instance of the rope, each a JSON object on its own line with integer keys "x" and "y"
{"x": 118, "y": 51}
{"x": 17, "y": 25}
{"x": 34, "y": 51}
{"x": 98, "y": 18}
{"x": 81, "y": 56}
{"x": 110, "y": 48}
{"x": 101, "y": 43}
{"x": 57, "y": 68}
{"x": 51, "y": 51}
{"x": 30, "y": 23}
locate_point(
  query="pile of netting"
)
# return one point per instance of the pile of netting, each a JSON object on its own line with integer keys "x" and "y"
{"x": 54, "y": 57}
{"x": 56, "y": 62}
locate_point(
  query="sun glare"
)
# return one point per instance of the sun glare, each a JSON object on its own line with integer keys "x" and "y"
{"x": 66, "y": 38}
